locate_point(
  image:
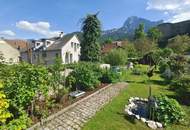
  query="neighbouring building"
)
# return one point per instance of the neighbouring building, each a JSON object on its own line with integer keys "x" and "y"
{"x": 110, "y": 46}
{"x": 9, "y": 53}
{"x": 45, "y": 51}
{"x": 17, "y": 43}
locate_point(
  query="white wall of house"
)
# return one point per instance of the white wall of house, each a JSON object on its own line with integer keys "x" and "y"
{"x": 71, "y": 51}
{"x": 9, "y": 53}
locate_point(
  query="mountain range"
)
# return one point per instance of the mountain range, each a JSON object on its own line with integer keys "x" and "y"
{"x": 128, "y": 28}
{"x": 168, "y": 30}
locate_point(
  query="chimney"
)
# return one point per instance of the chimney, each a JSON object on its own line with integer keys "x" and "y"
{"x": 61, "y": 35}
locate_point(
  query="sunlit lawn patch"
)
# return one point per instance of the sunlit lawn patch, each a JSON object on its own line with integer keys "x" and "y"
{"x": 112, "y": 117}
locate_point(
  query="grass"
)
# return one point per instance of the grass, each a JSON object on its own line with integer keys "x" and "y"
{"x": 112, "y": 116}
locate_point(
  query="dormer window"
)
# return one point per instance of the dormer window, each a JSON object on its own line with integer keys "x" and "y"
{"x": 48, "y": 43}
{"x": 37, "y": 44}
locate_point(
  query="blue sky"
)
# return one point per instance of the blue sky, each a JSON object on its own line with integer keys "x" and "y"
{"x": 45, "y": 18}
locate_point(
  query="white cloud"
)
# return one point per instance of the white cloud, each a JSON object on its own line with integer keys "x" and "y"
{"x": 178, "y": 10}
{"x": 41, "y": 27}
{"x": 8, "y": 33}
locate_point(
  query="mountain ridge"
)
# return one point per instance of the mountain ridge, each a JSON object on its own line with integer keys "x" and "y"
{"x": 128, "y": 28}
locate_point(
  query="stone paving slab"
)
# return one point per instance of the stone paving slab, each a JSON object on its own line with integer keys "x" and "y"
{"x": 76, "y": 115}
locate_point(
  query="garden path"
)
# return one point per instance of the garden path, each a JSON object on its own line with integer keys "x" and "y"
{"x": 76, "y": 115}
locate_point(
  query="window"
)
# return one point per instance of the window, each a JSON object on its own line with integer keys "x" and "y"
{"x": 71, "y": 58}
{"x": 37, "y": 44}
{"x": 72, "y": 44}
{"x": 48, "y": 42}
{"x": 20, "y": 58}
{"x": 75, "y": 47}
{"x": 44, "y": 54}
{"x": 78, "y": 45}
{"x": 67, "y": 58}
{"x": 57, "y": 54}
{"x": 34, "y": 56}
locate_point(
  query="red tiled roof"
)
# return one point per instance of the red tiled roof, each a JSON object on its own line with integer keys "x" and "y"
{"x": 108, "y": 47}
{"x": 18, "y": 44}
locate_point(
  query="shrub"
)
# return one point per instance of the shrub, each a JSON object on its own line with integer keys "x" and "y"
{"x": 168, "y": 110}
{"x": 138, "y": 70}
{"x": 179, "y": 43}
{"x": 24, "y": 82}
{"x": 85, "y": 76}
{"x": 20, "y": 123}
{"x": 176, "y": 63}
{"x": 182, "y": 88}
{"x": 109, "y": 76}
{"x": 4, "y": 114}
{"x": 167, "y": 74}
{"x": 163, "y": 65}
{"x": 57, "y": 79}
{"x": 116, "y": 57}
{"x": 95, "y": 67}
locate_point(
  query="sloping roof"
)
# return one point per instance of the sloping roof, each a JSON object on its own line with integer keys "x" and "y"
{"x": 17, "y": 44}
{"x": 60, "y": 43}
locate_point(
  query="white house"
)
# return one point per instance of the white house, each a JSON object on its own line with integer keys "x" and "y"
{"x": 67, "y": 47}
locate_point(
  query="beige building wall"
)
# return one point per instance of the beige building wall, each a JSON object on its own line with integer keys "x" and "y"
{"x": 42, "y": 57}
{"x": 9, "y": 53}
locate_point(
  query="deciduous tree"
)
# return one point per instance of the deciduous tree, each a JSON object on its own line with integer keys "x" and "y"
{"x": 154, "y": 34}
{"x": 139, "y": 32}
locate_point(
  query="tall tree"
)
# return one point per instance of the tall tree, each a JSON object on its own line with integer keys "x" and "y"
{"x": 154, "y": 34}
{"x": 90, "y": 48}
{"x": 179, "y": 44}
{"x": 139, "y": 32}
{"x": 143, "y": 46}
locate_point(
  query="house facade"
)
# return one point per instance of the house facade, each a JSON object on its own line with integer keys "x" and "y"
{"x": 45, "y": 51}
{"x": 9, "y": 53}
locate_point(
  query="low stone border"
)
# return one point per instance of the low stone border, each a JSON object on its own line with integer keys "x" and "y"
{"x": 150, "y": 123}
{"x": 65, "y": 109}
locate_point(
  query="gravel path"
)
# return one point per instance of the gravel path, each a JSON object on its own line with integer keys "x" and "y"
{"x": 76, "y": 115}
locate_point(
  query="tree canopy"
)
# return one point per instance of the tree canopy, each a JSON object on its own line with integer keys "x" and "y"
{"x": 139, "y": 32}
{"x": 90, "y": 48}
{"x": 143, "y": 46}
{"x": 116, "y": 57}
{"x": 154, "y": 34}
{"x": 179, "y": 44}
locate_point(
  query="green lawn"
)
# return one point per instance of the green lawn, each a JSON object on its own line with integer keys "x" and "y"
{"x": 112, "y": 116}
